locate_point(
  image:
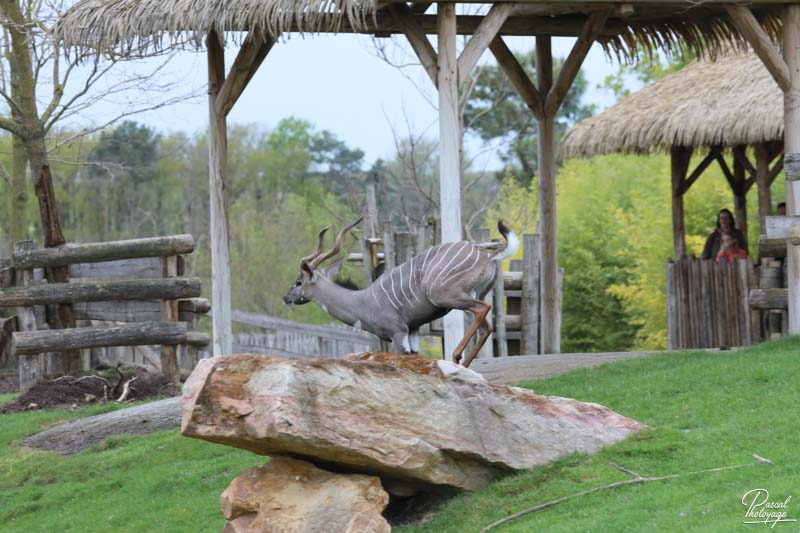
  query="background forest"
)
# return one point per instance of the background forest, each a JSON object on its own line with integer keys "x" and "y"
{"x": 288, "y": 181}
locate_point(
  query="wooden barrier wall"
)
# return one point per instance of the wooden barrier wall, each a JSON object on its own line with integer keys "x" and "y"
{"x": 708, "y": 304}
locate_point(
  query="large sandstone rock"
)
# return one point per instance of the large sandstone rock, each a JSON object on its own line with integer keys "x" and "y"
{"x": 291, "y": 496}
{"x": 405, "y": 418}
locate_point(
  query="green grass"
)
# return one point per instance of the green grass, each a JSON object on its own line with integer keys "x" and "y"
{"x": 706, "y": 410}
{"x": 7, "y": 397}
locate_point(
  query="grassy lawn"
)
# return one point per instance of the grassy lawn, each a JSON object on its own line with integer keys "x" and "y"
{"x": 707, "y": 410}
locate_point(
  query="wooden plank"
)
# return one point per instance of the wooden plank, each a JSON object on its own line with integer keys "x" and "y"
{"x": 30, "y": 368}
{"x": 35, "y": 342}
{"x": 483, "y": 35}
{"x": 791, "y": 147}
{"x": 671, "y": 310}
{"x": 70, "y": 253}
{"x": 680, "y": 157}
{"x": 417, "y": 38}
{"x": 189, "y": 310}
{"x": 743, "y": 290}
{"x": 218, "y": 192}
{"x": 252, "y": 53}
{"x": 701, "y": 167}
{"x": 7, "y": 327}
{"x": 777, "y": 227}
{"x": 140, "y": 267}
{"x": 500, "y": 312}
{"x": 751, "y": 30}
{"x": 512, "y": 281}
{"x": 144, "y": 289}
{"x": 762, "y": 183}
{"x": 569, "y": 69}
{"x": 518, "y": 77}
{"x": 530, "y": 295}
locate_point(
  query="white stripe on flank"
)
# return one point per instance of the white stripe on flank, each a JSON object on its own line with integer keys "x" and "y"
{"x": 422, "y": 269}
{"x": 391, "y": 278}
{"x": 447, "y": 270}
{"x": 442, "y": 256}
{"x": 446, "y": 267}
{"x": 403, "y": 292}
{"x": 380, "y": 282}
{"x": 463, "y": 271}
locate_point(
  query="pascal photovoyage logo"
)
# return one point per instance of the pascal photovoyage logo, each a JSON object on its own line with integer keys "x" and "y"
{"x": 762, "y": 510}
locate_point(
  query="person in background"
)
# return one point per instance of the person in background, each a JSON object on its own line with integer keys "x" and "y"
{"x": 730, "y": 249}
{"x": 781, "y": 209}
{"x": 725, "y": 225}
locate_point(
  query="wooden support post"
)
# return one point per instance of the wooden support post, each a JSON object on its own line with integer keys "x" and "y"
{"x": 679, "y": 164}
{"x": 217, "y": 167}
{"x": 169, "y": 313}
{"x": 31, "y": 367}
{"x": 546, "y": 146}
{"x": 416, "y": 37}
{"x": 529, "y": 311}
{"x": 740, "y": 192}
{"x": 791, "y": 143}
{"x": 749, "y": 27}
{"x": 500, "y": 312}
{"x": 449, "y": 159}
{"x": 762, "y": 183}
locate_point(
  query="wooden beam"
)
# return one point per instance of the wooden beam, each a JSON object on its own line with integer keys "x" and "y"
{"x": 766, "y": 299}
{"x": 680, "y": 156}
{"x": 751, "y": 30}
{"x": 713, "y": 152}
{"x": 449, "y": 153}
{"x": 517, "y": 76}
{"x": 417, "y": 38}
{"x": 571, "y": 66}
{"x": 791, "y": 146}
{"x": 95, "y": 252}
{"x": 778, "y": 227}
{"x": 34, "y": 342}
{"x": 726, "y": 171}
{"x": 775, "y": 171}
{"x": 476, "y": 46}
{"x": 550, "y": 337}
{"x": 775, "y": 248}
{"x": 421, "y": 8}
{"x": 762, "y": 179}
{"x": 251, "y": 55}
{"x": 218, "y": 202}
{"x": 138, "y": 289}
{"x": 740, "y": 192}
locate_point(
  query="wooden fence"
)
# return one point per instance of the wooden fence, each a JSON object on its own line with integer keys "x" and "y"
{"x": 286, "y": 338}
{"x": 708, "y": 304}
{"x": 123, "y": 293}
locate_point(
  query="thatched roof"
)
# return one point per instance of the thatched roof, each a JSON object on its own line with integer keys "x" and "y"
{"x": 135, "y": 26}
{"x": 729, "y": 102}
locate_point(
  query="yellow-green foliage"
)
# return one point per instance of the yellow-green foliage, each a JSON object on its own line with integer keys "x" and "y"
{"x": 615, "y": 236}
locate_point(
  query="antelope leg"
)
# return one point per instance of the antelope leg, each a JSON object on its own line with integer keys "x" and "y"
{"x": 480, "y": 343}
{"x": 480, "y": 310}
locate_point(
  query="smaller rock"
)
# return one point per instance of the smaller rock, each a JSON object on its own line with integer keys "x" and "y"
{"x": 293, "y": 496}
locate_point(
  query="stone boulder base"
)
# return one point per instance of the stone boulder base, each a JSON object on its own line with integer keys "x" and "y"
{"x": 415, "y": 422}
{"x": 291, "y": 496}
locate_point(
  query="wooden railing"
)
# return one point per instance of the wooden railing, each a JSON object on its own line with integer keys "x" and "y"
{"x": 133, "y": 286}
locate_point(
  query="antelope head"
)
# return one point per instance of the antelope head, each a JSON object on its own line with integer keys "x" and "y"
{"x": 305, "y": 286}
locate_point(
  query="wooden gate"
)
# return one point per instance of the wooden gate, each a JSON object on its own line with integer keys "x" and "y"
{"x": 708, "y": 304}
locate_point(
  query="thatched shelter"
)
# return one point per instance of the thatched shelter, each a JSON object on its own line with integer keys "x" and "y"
{"x": 720, "y": 107}
{"x": 625, "y": 29}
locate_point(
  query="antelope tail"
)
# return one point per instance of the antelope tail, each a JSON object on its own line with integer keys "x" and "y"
{"x": 512, "y": 242}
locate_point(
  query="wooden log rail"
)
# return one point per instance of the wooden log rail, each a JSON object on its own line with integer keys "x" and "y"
{"x": 140, "y": 334}
{"x": 775, "y": 248}
{"x": 103, "y": 251}
{"x": 769, "y": 299}
{"x": 140, "y": 289}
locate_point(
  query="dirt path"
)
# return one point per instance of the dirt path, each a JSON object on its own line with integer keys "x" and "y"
{"x": 529, "y": 367}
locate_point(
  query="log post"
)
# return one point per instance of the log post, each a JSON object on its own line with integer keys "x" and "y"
{"x": 217, "y": 169}
{"x": 169, "y": 313}
{"x": 500, "y": 312}
{"x": 679, "y": 165}
{"x": 31, "y": 367}
{"x": 449, "y": 158}
{"x": 740, "y": 192}
{"x": 762, "y": 183}
{"x": 529, "y": 310}
{"x": 546, "y": 146}
{"x": 791, "y": 142}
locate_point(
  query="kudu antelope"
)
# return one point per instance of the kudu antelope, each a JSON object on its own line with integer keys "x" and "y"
{"x": 447, "y": 276}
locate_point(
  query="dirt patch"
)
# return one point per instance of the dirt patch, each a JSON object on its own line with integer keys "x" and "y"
{"x": 9, "y": 382}
{"x": 76, "y": 391}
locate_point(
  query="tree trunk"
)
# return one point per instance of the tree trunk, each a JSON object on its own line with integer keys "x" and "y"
{"x": 19, "y": 191}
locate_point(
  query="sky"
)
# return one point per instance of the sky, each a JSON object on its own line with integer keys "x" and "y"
{"x": 338, "y": 83}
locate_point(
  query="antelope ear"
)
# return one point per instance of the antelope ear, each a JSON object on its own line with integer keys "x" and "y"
{"x": 334, "y": 267}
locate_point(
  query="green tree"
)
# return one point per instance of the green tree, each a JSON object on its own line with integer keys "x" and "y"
{"x": 650, "y": 67}
{"x": 495, "y": 112}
